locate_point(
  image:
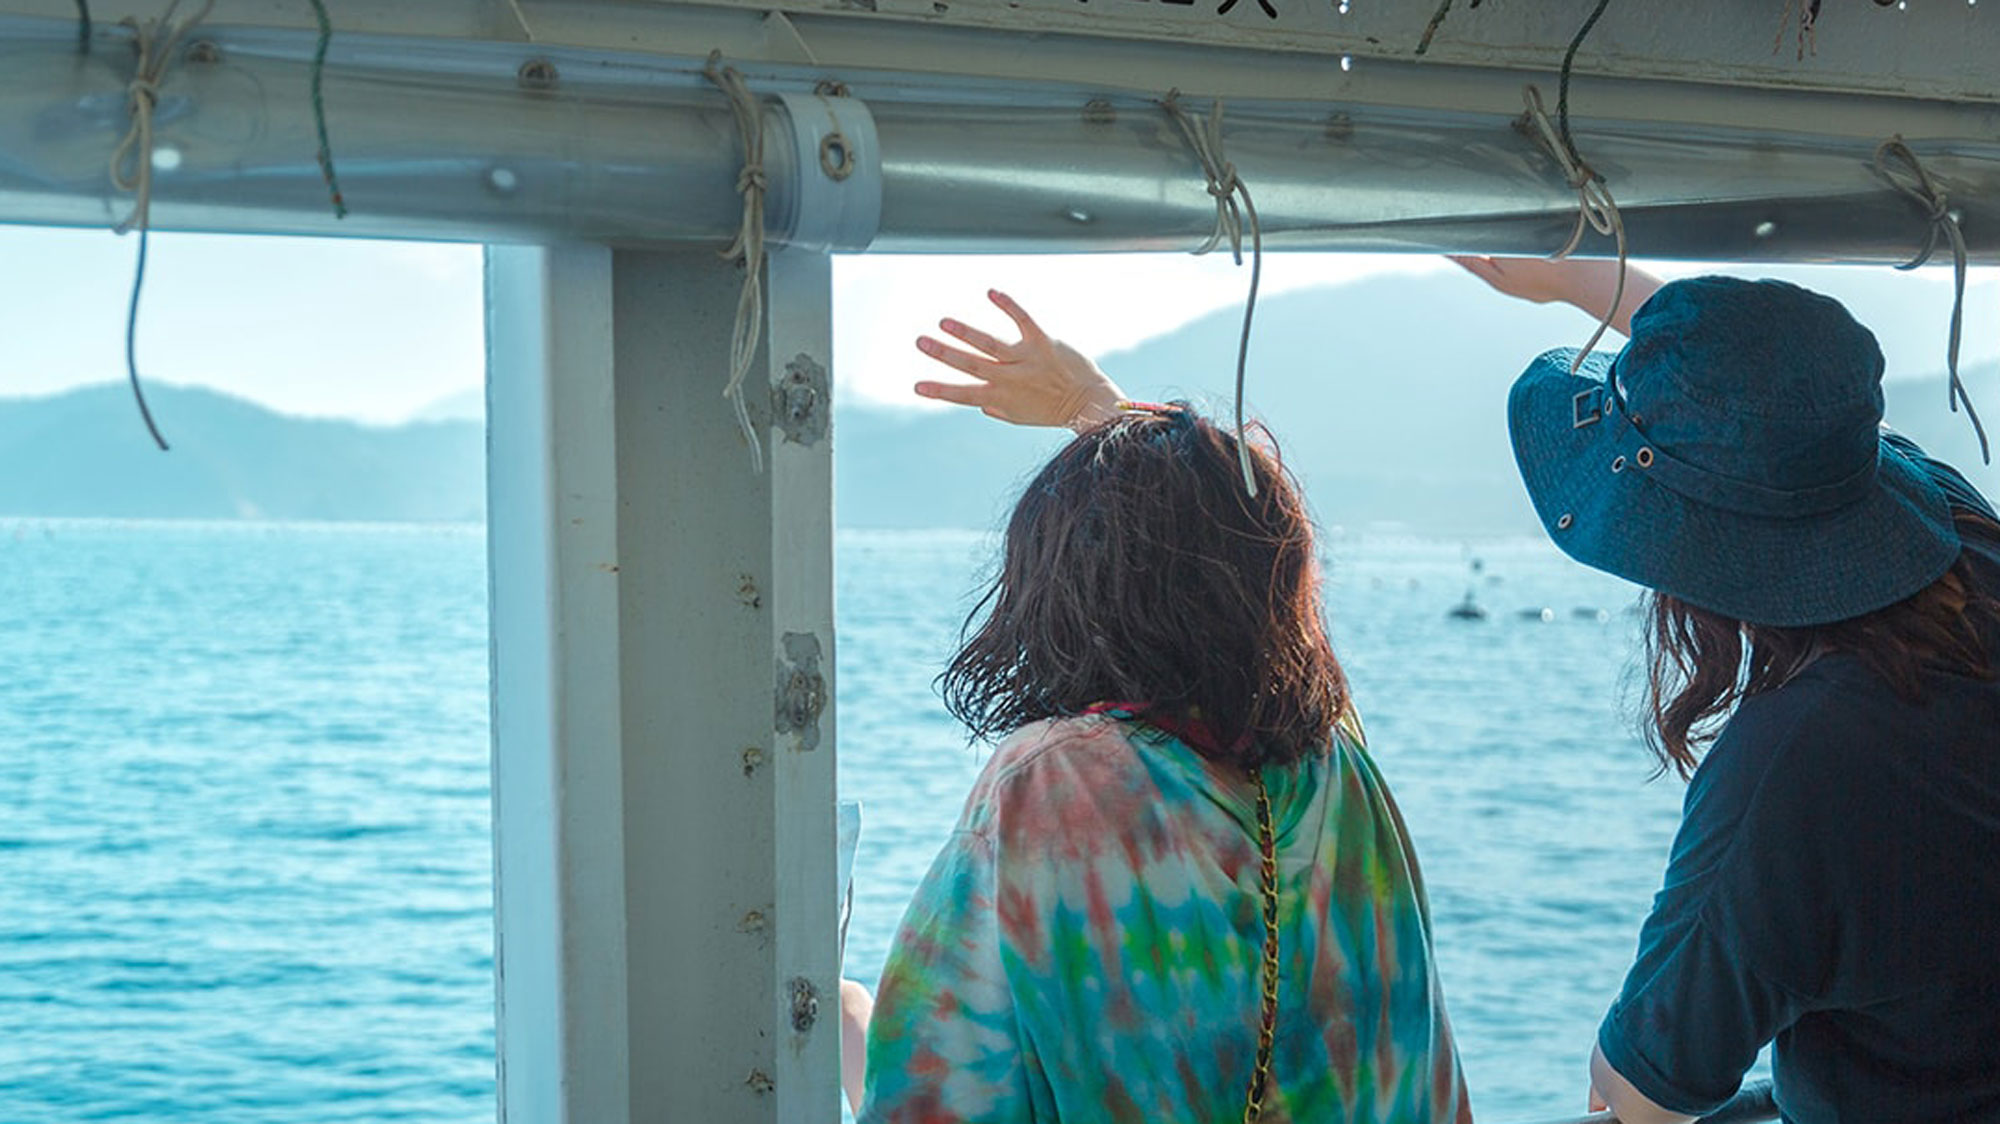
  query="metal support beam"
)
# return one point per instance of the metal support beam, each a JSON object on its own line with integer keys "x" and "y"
{"x": 663, "y": 656}
{"x": 558, "y": 735}
{"x": 446, "y": 139}
{"x": 1930, "y": 49}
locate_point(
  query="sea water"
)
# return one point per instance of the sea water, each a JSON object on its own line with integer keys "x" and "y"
{"x": 244, "y": 831}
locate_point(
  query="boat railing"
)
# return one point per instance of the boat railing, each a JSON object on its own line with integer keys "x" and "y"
{"x": 1753, "y": 1102}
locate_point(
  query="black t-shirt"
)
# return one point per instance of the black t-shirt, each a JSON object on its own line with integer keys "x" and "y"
{"x": 1835, "y": 885}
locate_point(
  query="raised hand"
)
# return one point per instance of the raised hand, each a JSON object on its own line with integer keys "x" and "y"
{"x": 1037, "y": 380}
{"x": 1589, "y": 285}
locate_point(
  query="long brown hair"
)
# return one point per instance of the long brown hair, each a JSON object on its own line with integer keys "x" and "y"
{"x": 1700, "y": 664}
{"x": 1138, "y": 570}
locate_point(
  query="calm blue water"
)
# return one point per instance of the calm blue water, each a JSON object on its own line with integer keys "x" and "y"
{"x": 244, "y": 863}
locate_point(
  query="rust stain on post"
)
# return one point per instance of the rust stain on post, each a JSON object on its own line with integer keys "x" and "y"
{"x": 801, "y": 693}
{"x": 800, "y": 402}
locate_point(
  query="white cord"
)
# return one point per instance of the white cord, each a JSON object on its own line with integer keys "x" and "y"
{"x": 1225, "y": 186}
{"x": 751, "y": 183}
{"x": 155, "y": 40}
{"x": 1595, "y": 209}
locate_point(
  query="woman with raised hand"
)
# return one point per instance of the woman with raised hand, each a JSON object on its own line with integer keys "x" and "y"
{"x": 1179, "y": 892}
{"x": 1823, "y": 656}
{"x": 1823, "y": 664}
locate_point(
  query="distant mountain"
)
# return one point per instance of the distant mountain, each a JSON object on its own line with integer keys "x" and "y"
{"x": 1389, "y": 410}
{"x": 931, "y": 468}
{"x": 85, "y": 453}
{"x": 1387, "y": 396}
{"x": 465, "y": 405}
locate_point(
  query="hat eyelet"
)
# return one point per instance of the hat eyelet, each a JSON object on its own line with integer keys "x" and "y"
{"x": 1617, "y": 464}
{"x": 1644, "y": 457}
{"x": 1562, "y": 524}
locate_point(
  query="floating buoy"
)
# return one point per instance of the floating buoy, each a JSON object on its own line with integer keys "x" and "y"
{"x": 1467, "y": 610}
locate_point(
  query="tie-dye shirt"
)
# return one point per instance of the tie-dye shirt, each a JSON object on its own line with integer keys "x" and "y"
{"x": 1087, "y": 946}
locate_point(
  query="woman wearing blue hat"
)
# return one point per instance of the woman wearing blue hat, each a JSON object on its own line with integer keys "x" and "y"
{"x": 1823, "y": 658}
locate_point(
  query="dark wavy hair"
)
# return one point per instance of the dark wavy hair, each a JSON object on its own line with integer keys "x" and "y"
{"x": 1138, "y": 570}
{"x": 1700, "y": 664}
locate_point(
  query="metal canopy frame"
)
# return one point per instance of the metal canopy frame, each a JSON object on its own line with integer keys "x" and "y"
{"x": 1042, "y": 138}
{"x": 663, "y": 646}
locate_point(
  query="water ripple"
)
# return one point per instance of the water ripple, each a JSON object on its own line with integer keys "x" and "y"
{"x": 245, "y": 877}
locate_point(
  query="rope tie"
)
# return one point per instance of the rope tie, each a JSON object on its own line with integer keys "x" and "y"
{"x": 1595, "y": 208}
{"x": 1807, "y": 12}
{"x": 1915, "y": 183}
{"x": 142, "y": 96}
{"x": 1225, "y": 187}
{"x": 326, "y": 171}
{"x": 155, "y": 42}
{"x": 751, "y": 183}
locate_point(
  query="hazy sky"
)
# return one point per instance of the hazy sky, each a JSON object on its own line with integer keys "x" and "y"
{"x": 378, "y": 330}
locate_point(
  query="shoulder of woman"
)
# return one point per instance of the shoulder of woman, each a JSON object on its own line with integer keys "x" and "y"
{"x": 1057, "y": 747}
{"x": 1770, "y": 719}
{"x": 1783, "y": 745}
{"x": 1062, "y": 786}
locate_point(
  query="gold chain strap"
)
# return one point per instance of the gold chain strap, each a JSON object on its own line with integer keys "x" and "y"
{"x": 1267, "y": 1026}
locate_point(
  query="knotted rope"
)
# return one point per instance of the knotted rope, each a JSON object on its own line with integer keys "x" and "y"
{"x": 1807, "y": 12}
{"x": 1225, "y": 186}
{"x": 1595, "y": 209}
{"x": 1916, "y": 184}
{"x": 751, "y": 183}
{"x": 156, "y": 42}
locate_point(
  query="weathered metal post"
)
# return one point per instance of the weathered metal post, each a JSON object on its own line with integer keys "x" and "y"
{"x": 663, "y": 677}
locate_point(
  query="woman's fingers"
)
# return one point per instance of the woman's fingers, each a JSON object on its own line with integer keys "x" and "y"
{"x": 1029, "y": 329}
{"x": 973, "y": 336}
{"x": 978, "y": 366}
{"x": 1486, "y": 269}
{"x": 963, "y": 394}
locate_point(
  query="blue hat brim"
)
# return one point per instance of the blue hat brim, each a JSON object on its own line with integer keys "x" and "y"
{"x": 1786, "y": 572}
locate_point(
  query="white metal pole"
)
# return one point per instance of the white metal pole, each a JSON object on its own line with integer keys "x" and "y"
{"x": 802, "y": 780}
{"x": 558, "y": 734}
{"x": 693, "y": 964}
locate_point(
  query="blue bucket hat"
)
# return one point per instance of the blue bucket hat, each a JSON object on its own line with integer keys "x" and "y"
{"x": 1731, "y": 456}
